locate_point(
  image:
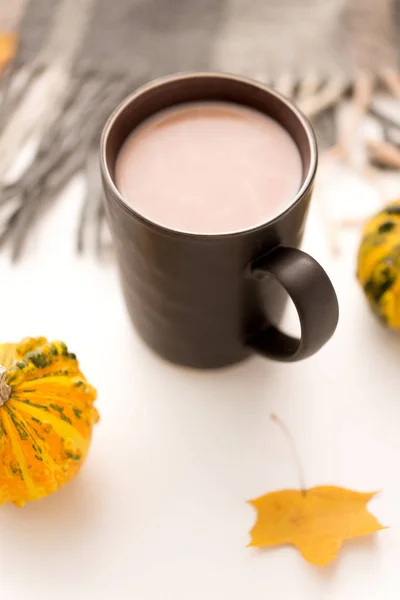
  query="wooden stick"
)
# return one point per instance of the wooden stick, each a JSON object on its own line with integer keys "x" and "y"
{"x": 384, "y": 153}
{"x": 329, "y": 95}
{"x": 285, "y": 84}
{"x": 391, "y": 79}
{"x": 348, "y": 131}
{"x": 309, "y": 85}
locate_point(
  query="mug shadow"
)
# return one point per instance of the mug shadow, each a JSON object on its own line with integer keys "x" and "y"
{"x": 237, "y": 396}
{"x": 254, "y": 369}
{"x": 215, "y": 422}
{"x": 244, "y": 384}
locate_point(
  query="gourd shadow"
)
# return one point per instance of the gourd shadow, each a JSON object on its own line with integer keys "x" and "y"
{"x": 388, "y": 340}
{"x": 61, "y": 519}
{"x": 370, "y": 329}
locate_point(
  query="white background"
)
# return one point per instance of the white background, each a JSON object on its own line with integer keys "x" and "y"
{"x": 159, "y": 510}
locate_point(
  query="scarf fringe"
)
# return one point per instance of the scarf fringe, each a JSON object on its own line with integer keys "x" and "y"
{"x": 66, "y": 139}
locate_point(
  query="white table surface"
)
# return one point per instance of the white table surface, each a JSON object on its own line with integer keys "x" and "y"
{"x": 158, "y": 511}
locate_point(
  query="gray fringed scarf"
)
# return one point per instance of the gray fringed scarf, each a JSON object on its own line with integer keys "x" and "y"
{"x": 78, "y": 58}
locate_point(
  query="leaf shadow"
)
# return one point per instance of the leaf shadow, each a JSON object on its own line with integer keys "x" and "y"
{"x": 364, "y": 545}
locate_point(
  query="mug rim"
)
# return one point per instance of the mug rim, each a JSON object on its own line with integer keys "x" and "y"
{"x": 307, "y": 179}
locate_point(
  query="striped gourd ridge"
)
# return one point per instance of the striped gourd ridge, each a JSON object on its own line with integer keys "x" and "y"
{"x": 378, "y": 265}
{"x": 46, "y": 419}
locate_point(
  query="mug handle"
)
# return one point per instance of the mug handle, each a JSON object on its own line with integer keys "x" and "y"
{"x": 313, "y": 295}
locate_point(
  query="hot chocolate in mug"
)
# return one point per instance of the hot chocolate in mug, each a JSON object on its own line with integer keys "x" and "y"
{"x": 200, "y": 291}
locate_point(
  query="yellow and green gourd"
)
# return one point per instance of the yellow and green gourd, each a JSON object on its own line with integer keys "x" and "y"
{"x": 378, "y": 265}
{"x": 46, "y": 419}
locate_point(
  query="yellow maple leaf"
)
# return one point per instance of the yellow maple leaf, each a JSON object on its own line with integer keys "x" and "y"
{"x": 8, "y": 46}
{"x": 316, "y": 521}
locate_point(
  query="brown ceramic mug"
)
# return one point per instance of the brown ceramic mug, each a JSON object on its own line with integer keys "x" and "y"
{"x": 210, "y": 300}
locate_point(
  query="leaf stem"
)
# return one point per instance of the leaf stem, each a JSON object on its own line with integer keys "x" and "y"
{"x": 290, "y": 440}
